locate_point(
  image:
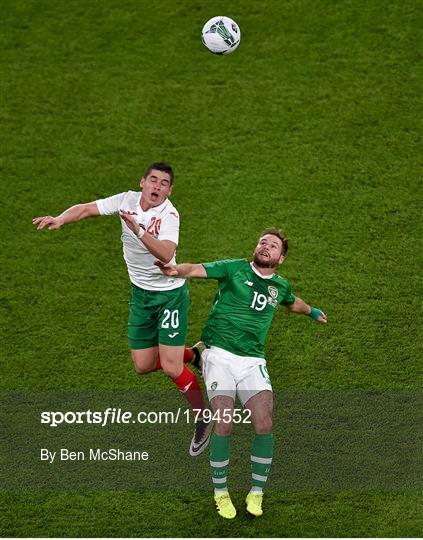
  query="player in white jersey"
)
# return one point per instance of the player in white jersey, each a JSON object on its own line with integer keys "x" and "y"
{"x": 158, "y": 318}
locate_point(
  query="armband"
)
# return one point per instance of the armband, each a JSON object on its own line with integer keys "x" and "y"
{"x": 315, "y": 313}
{"x": 141, "y": 232}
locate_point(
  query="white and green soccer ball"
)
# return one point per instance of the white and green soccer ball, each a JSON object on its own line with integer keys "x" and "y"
{"x": 221, "y": 35}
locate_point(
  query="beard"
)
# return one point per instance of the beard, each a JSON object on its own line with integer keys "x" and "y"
{"x": 263, "y": 262}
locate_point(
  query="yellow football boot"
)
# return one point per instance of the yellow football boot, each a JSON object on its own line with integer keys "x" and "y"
{"x": 224, "y": 505}
{"x": 254, "y": 502}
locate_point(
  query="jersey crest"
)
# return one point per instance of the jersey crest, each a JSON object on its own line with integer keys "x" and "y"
{"x": 273, "y": 291}
{"x": 273, "y": 298}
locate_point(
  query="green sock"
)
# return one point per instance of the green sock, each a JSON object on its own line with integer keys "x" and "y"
{"x": 219, "y": 461}
{"x": 261, "y": 460}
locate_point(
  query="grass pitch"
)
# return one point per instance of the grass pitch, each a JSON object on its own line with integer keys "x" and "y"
{"x": 312, "y": 125}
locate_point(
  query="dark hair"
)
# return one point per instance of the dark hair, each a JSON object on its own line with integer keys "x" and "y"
{"x": 280, "y": 235}
{"x": 160, "y": 166}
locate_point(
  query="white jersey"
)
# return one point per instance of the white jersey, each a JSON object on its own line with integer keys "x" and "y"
{"x": 162, "y": 222}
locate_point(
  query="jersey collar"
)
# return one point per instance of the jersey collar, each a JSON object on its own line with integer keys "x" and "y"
{"x": 155, "y": 209}
{"x": 258, "y": 273}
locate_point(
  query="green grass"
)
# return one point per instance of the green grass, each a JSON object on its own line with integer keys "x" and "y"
{"x": 131, "y": 514}
{"x": 312, "y": 125}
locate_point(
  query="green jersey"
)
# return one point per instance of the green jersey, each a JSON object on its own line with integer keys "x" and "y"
{"x": 244, "y": 307}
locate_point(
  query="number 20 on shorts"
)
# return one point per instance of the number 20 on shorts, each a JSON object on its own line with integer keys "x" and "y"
{"x": 170, "y": 319}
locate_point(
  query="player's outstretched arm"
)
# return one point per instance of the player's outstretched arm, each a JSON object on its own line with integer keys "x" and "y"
{"x": 74, "y": 213}
{"x": 299, "y": 306}
{"x": 185, "y": 270}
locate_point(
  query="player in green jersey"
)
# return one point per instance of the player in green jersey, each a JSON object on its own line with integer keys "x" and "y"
{"x": 233, "y": 360}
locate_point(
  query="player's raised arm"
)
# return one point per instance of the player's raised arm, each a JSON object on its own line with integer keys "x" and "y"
{"x": 74, "y": 213}
{"x": 299, "y": 306}
{"x": 185, "y": 270}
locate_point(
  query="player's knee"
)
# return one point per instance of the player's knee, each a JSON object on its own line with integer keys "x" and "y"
{"x": 264, "y": 425}
{"x": 141, "y": 366}
{"x": 142, "y": 369}
{"x": 143, "y": 363}
{"x": 171, "y": 370}
{"x": 223, "y": 429}
{"x": 172, "y": 367}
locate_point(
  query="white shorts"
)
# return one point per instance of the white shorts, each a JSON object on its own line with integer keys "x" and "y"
{"x": 227, "y": 374}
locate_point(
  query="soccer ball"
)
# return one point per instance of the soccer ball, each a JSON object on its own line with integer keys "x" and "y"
{"x": 221, "y": 35}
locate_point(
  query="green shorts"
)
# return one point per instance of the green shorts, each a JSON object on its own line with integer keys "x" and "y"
{"x": 158, "y": 317}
